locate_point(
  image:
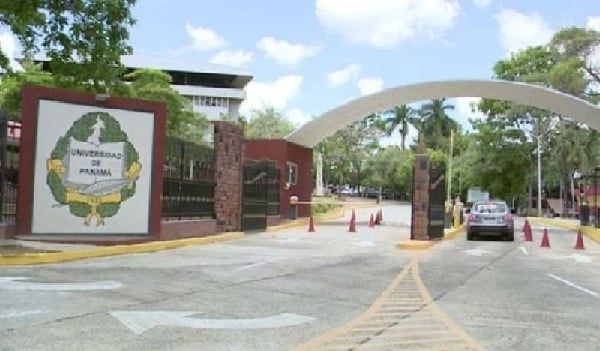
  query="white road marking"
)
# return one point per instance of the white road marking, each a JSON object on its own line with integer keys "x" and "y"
{"x": 13, "y": 314}
{"x": 141, "y": 321}
{"x": 364, "y": 243}
{"x": 476, "y": 252}
{"x": 252, "y": 265}
{"x": 573, "y": 285}
{"x": 522, "y": 248}
{"x": 17, "y": 283}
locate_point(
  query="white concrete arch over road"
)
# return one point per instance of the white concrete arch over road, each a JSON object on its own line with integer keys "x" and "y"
{"x": 316, "y": 130}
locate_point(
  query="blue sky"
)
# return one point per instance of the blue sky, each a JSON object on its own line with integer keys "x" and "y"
{"x": 294, "y": 47}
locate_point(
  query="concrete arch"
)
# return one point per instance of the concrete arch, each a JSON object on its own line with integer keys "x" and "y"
{"x": 316, "y": 130}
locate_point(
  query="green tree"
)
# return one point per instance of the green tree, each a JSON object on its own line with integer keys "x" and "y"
{"x": 11, "y": 83}
{"x": 267, "y": 124}
{"x": 434, "y": 124}
{"x": 399, "y": 119}
{"x": 152, "y": 84}
{"x": 84, "y": 39}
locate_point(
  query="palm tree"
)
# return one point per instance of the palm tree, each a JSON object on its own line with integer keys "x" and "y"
{"x": 435, "y": 124}
{"x": 399, "y": 118}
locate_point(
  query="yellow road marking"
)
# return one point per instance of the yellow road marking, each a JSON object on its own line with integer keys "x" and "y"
{"x": 403, "y": 317}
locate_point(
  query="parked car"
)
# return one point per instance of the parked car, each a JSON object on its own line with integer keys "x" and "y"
{"x": 493, "y": 218}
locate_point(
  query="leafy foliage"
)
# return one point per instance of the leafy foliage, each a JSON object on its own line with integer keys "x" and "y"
{"x": 267, "y": 124}
{"x": 84, "y": 39}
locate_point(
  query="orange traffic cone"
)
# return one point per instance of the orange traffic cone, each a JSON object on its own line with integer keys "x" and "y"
{"x": 579, "y": 242}
{"x": 371, "y": 221}
{"x": 377, "y": 218}
{"x": 526, "y": 225}
{"x": 311, "y": 225}
{"x": 352, "y": 227}
{"x": 545, "y": 239}
{"x": 528, "y": 234}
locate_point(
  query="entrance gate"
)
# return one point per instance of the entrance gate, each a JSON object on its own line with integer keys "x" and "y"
{"x": 10, "y": 133}
{"x": 260, "y": 184}
{"x": 437, "y": 186}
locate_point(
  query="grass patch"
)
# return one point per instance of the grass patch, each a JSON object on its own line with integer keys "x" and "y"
{"x": 324, "y": 208}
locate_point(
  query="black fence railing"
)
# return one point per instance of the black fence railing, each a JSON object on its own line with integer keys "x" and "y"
{"x": 273, "y": 175}
{"x": 188, "y": 180}
{"x": 10, "y": 133}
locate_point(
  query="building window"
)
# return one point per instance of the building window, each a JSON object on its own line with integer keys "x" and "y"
{"x": 214, "y": 101}
{"x": 292, "y": 173}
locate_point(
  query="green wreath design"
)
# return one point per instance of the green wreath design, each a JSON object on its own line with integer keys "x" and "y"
{"x": 81, "y": 130}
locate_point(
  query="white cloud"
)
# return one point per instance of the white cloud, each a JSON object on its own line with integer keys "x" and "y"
{"x": 8, "y": 44}
{"x": 369, "y": 85}
{"x": 233, "y": 58}
{"x": 274, "y": 94}
{"x": 387, "y": 23}
{"x": 519, "y": 30}
{"x": 286, "y": 53}
{"x": 343, "y": 75}
{"x": 593, "y": 22}
{"x": 204, "y": 39}
{"x": 482, "y": 3}
{"x": 297, "y": 116}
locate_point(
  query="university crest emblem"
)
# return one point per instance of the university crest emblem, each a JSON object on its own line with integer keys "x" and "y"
{"x": 93, "y": 168}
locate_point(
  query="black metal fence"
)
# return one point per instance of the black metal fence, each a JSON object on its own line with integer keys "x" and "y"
{"x": 260, "y": 193}
{"x": 10, "y": 133}
{"x": 188, "y": 180}
{"x": 273, "y": 174}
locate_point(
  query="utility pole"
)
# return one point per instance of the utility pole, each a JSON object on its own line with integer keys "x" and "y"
{"x": 450, "y": 165}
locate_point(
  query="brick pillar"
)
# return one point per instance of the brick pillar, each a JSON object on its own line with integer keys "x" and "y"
{"x": 228, "y": 141}
{"x": 420, "y": 201}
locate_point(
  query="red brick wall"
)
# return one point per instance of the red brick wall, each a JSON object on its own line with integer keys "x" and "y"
{"x": 229, "y": 146}
{"x": 187, "y": 229}
{"x": 282, "y": 152}
{"x": 420, "y": 208}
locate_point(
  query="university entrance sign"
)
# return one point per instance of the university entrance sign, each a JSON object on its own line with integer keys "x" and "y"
{"x": 91, "y": 167}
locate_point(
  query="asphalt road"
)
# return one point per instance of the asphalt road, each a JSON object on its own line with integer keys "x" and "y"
{"x": 299, "y": 290}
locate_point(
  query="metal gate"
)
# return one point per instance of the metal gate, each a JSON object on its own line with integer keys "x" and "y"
{"x": 10, "y": 133}
{"x": 260, "y": 179}
{"x": 437, "y": 187}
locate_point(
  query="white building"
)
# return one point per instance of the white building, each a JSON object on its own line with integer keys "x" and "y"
{"x": 213, "y": 90}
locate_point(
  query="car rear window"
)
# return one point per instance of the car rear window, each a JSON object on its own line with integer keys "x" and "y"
{"x": 490, "y": 208}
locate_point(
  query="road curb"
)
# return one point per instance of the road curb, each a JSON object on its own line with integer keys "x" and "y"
{"x": 104, "y": 251}
{"x": 452, "y": 233}
{"x": 304, "y": 221}
{"x": 590, "y": 232}
{"x": 337, "y": 214}
{"x": 414, "y": 245}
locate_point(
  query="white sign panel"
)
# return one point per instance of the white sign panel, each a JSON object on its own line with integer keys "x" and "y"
{"x": 92, "y": 170}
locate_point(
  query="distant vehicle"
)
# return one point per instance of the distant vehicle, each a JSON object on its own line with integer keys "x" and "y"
{"x": 492, "y": 217}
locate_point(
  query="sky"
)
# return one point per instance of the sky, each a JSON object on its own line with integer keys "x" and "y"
{"x": 310, "y": 56}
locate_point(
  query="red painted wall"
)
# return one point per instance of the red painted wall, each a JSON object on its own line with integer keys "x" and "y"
{"x": 282, "y": 152}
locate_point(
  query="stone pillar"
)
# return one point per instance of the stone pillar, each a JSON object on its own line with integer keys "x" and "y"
{"x": 319, "y": 191}
{"x": 229, "y": 143}
{"x": 420, "y": 201}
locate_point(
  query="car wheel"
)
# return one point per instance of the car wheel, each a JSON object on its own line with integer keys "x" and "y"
{"x": 470, "y": 236}
{"x": 510, "y": 236}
